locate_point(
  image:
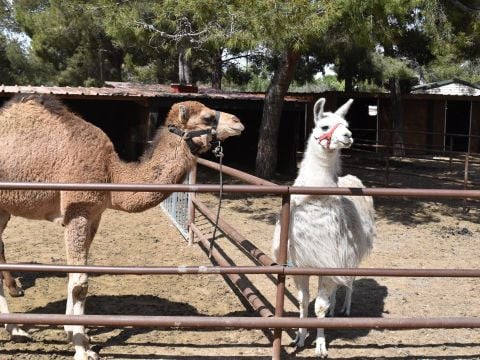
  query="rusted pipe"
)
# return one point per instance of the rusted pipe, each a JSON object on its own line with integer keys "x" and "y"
{"x": 192, "y": 179}
{"x": 250, "y": 179}
{"x": 240, "y": 322}
{"x": 282, "y": 259}
{"x": 234, "y": 235}
{"x": 254, "y": 189}
{"x": 227, "y": 269}
{"x": 242, "y": 283}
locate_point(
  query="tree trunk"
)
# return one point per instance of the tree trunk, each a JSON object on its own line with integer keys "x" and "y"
{"x": 349, "y": 84}
{"x": 184, "y": 67}
{"x": 266, "y": 161}
{"x": 217, "y": 70}
{"x": 397, "y": 117}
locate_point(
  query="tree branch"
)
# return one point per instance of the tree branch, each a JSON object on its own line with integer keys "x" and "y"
{"x": 464, "y": 7}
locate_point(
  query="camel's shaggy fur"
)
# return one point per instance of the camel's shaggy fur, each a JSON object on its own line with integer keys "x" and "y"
{"x": 326, "y": 231}
{"x": 42, "y": 141}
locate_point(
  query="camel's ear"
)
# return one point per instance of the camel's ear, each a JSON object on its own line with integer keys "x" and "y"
{"x": 182, "y": 113}
{"x": 318, "y": 109}
{"x": 342, "y": 110}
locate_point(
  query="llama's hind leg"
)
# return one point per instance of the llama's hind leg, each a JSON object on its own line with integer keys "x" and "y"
{"x": 13, "y": 289}
{"x": 322, "y": 305}
{"x": 301, "y": 283}
{"x": 347, "y": 303}
{"x": 333, "y": 302}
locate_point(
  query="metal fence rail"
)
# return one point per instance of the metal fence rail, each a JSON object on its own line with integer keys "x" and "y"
{"x": 267, "y": 321}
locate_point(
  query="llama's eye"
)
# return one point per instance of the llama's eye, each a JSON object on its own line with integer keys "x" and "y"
{"x": 325, "y": 128}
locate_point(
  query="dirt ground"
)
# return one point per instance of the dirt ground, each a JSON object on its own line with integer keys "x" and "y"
{"x": 411, "y": 233}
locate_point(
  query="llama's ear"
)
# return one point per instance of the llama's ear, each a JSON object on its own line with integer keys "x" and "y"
{"x": 182, "y": 113}
{"x": 318, "y": 109}
{"x": 342, "y": 110}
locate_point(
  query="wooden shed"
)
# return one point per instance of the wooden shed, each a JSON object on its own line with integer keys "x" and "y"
{"x": 130, "y": 113}
{"x": 432, "y": 121}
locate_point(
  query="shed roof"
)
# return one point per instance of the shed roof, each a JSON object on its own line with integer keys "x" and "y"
{"x": 122, "y": 90}
{"x": 448, "y": 87}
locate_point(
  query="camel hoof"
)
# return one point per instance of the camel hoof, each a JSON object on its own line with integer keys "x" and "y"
{"x": 16, "y": 291}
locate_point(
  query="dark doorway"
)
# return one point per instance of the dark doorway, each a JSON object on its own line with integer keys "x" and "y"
{"x": 457, "y": 125}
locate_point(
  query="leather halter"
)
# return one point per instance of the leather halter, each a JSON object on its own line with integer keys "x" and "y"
{"x": 328, "y": 135}
{"x": 189, "y": 135}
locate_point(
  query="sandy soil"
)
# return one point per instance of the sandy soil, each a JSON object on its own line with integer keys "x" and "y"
{"x": 411, "y": 234}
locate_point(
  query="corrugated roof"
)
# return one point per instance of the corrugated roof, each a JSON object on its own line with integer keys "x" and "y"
{"x": 448, "y": 87}
{"x": 118, "y": 89}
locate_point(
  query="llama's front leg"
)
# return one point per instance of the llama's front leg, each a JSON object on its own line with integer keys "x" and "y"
{"x": 77, "y": 238}
{"x": 322, "y": 304}
{"x": 301, "y": 283}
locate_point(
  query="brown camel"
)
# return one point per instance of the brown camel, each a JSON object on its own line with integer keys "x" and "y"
{"x": 42, "y": 141}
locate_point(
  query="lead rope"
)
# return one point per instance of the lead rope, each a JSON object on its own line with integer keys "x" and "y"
{"x": 218, "y": 152}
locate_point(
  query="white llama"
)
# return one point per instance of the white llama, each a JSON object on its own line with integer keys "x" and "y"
{"x": 326, "y": 231}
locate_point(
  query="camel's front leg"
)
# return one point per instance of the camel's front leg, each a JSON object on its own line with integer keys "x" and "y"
{"x": 78, "y": 235}
{"x": 13, "y": 289}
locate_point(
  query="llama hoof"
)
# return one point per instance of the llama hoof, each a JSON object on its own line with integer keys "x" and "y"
{"x": 69, "y": 336}
{"x": 86, "y": 355}
{"x": 18, "y": 335}
{"x": 299, "y": 340}
{"x": 321, "y": 350}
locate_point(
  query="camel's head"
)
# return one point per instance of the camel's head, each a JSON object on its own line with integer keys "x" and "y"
{"x": 195, "y": 118}
{"x": 331, "y": 129}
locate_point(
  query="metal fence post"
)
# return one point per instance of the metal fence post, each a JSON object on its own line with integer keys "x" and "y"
{"x": 191, "y": 207}
{"x": 282, "y": 260}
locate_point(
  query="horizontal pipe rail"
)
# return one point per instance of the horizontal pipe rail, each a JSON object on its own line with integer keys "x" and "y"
{"x": 240, "y": 322}
{"x": 258, "y": 189}
{"x": 235, "y": 173}
{"x": 234, "y": 235}
{"x": 277, "y": 269}
{"x": 241, "y": 282}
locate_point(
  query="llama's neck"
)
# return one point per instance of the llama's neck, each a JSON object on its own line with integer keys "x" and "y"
{"x": 169, "y": 163}
{"x": 318, "y": 167}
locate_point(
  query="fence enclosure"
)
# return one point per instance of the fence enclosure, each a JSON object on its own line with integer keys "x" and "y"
{"x": 266, "y": 319}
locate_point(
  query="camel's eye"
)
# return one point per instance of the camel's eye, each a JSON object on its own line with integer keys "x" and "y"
{"x": 209, "y": 118}
{"x": 325, "y": 128}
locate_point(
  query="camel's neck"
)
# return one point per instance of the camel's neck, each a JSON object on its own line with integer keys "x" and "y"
{"x": 318, "y": 167}
{"x": 169, "y": 163}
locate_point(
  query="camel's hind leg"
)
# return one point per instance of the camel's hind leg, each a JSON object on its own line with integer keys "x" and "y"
{"x": 79, "y": 232}
{"x": 16, "y": 333}
{"x": 13, "y": 289}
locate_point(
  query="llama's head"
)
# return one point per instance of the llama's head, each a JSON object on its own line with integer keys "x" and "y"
{"x": 192, "y": 118}
{"x": 331, "y": 129}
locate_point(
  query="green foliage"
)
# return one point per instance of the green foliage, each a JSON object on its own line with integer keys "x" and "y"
{"x": 69, "y": 36}
{"x": 324, "y": 83}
